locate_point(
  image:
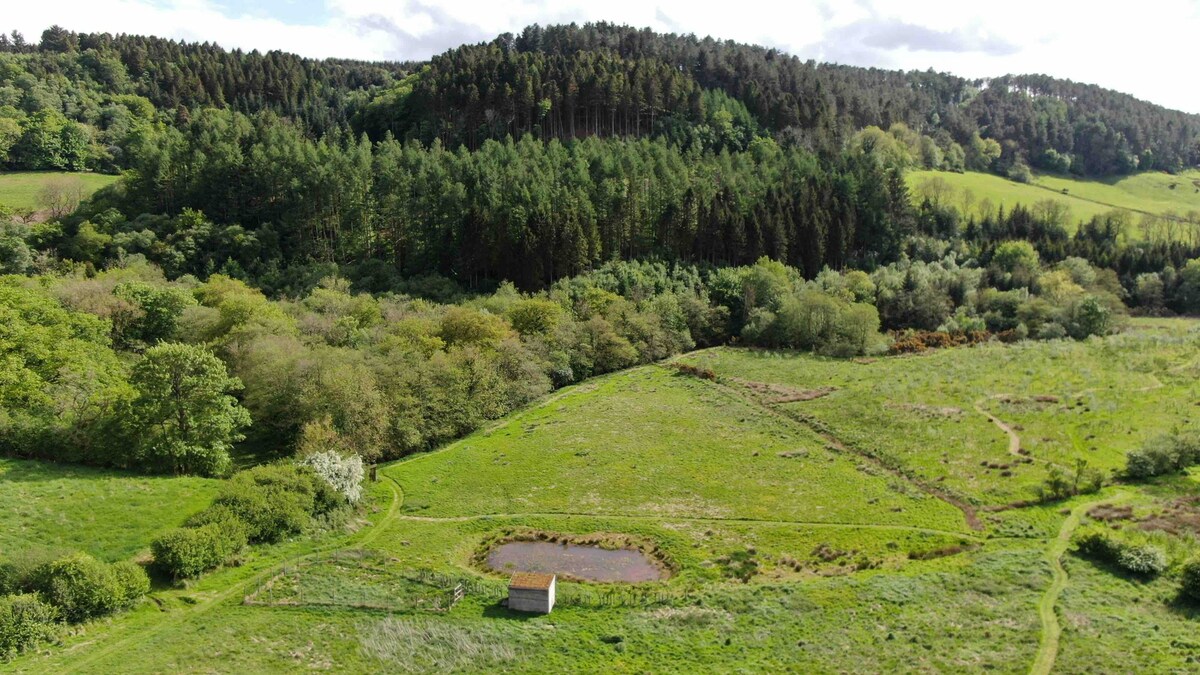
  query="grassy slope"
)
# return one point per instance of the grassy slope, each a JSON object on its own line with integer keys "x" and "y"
{"x": 587, "y": 451}
{"x": 108, "y": 514}
{"x": 19, "y": 189}
{"x": 1143, "y": 193}
{"x": 651, "y": 443}
{"x": 1112, "y": 395}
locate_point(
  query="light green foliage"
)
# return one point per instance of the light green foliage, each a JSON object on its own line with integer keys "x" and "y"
{"x": 1015, "y": 264}
{"x": 190, "y": 421}
{"x": 25, "y": 622}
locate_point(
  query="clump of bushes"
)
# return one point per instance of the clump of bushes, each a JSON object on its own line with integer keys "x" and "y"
{"x": 1162, "y": 455}
{"x": 1061, "y": 483}
{"x": 190, "y": 551}
{"x": 83, "y": 588}
{"x": 1141, "y": 559}
{"x": 264, "y": 504}
{"x": 25, "y": 621}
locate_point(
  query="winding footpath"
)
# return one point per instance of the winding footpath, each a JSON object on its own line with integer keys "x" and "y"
{"x": 1047, "y": 651}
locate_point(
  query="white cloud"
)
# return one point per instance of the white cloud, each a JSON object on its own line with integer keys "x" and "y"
{"x": 1144, "y": 49}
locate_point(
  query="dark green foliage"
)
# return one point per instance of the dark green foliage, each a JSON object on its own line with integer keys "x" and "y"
{"x": 569, "y": 81}
{"x": 741, "y": 564}
{"x": 1189, "y": 581}
{"x": 276, "y": 501}
{"x": 1141, "y": 559}
{"x": 25, "y": 622}
{"x": 260, "y": 505}
{"x": 83, "y": 588}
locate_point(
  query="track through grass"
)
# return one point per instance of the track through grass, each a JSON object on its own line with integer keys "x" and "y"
{"x": 1051, "y": 630}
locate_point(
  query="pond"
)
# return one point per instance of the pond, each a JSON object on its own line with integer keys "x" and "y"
{"x": 574, "y": 560}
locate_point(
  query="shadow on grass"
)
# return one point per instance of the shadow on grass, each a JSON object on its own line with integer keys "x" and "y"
{"x": 1184, "y": 607}
{"x": 498, "y": 610}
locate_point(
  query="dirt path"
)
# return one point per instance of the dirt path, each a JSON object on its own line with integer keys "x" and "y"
{"x": 1014, "y": 441}
{"x": 237, "y": 590}
{"x": 1047, "y": 651}
{"x": 970, "y": 516}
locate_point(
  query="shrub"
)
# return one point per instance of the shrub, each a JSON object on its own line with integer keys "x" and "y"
{"x": 276, "y": 500}
{"x": 1146, "y": 559}
{"x": 190, "y": 551}
{"x": 342, "y": 473}
{"x": 24, "y": 622}
{"x": 132, "y": 581}
{"x": 82, "y": 587}
{"x": 1096, "y": 543}
{"x": 1170, "y": 453}
{"x": 1189, "y": 580}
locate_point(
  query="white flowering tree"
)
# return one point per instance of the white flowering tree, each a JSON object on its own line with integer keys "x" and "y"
{"x": 344, "y": 473}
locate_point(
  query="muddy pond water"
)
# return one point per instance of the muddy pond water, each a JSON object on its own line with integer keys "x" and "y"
{"x": 582, "y": 562}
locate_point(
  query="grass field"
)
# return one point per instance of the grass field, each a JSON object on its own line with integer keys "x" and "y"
{"x": 21, "y": 189}
{"x": 108, "y": 514}
{"x": 851, "y": 505}
{"x": 1143, "y": 193}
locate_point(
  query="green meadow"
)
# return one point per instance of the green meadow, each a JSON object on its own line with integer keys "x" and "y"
{"x": 1152, "y": 193}
{"x": 22, "y": 189}
{"x": 845, "y": 484}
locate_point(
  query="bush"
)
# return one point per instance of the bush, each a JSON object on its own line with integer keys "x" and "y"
{"x": 82, "y": 587}
{"x": 190, "y": 551}
{"x": 25, "y": 621}
{"x": 1145, "y": 560}
{"x": 1097, "y": 544}
{"x": 1162, "y": 455}
{"x": 276, "y": 501}
{"x": 1189, "y": 581}
{"x": 132, "y": 581}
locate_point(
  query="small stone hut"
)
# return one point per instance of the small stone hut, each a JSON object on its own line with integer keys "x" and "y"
{"x": 531, "y": 592}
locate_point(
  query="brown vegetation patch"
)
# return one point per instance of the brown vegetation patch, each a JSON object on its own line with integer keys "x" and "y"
{"x": 1181, "y": 516}
{"x": 943, "y": 552}
{"x": 695, "y": 371}
{"x": 915, "y": 342}
{"x": 778, "y": 393}
{"x": 926, "y": 410}
{"x": 1109, "y": 513}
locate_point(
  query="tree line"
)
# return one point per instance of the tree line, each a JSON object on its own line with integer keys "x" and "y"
{"x": 568, "y": 82}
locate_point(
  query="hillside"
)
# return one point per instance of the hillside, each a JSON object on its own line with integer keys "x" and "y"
{"x": 1174, "y": 197}
{"x": 855, "y": 565}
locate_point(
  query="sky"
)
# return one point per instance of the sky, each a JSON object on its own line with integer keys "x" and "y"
{"x": 1142, "y": 48}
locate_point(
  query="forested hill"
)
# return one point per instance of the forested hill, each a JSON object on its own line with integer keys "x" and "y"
{"x": 604, "y": 79}
{"x": 570, "y": 81}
